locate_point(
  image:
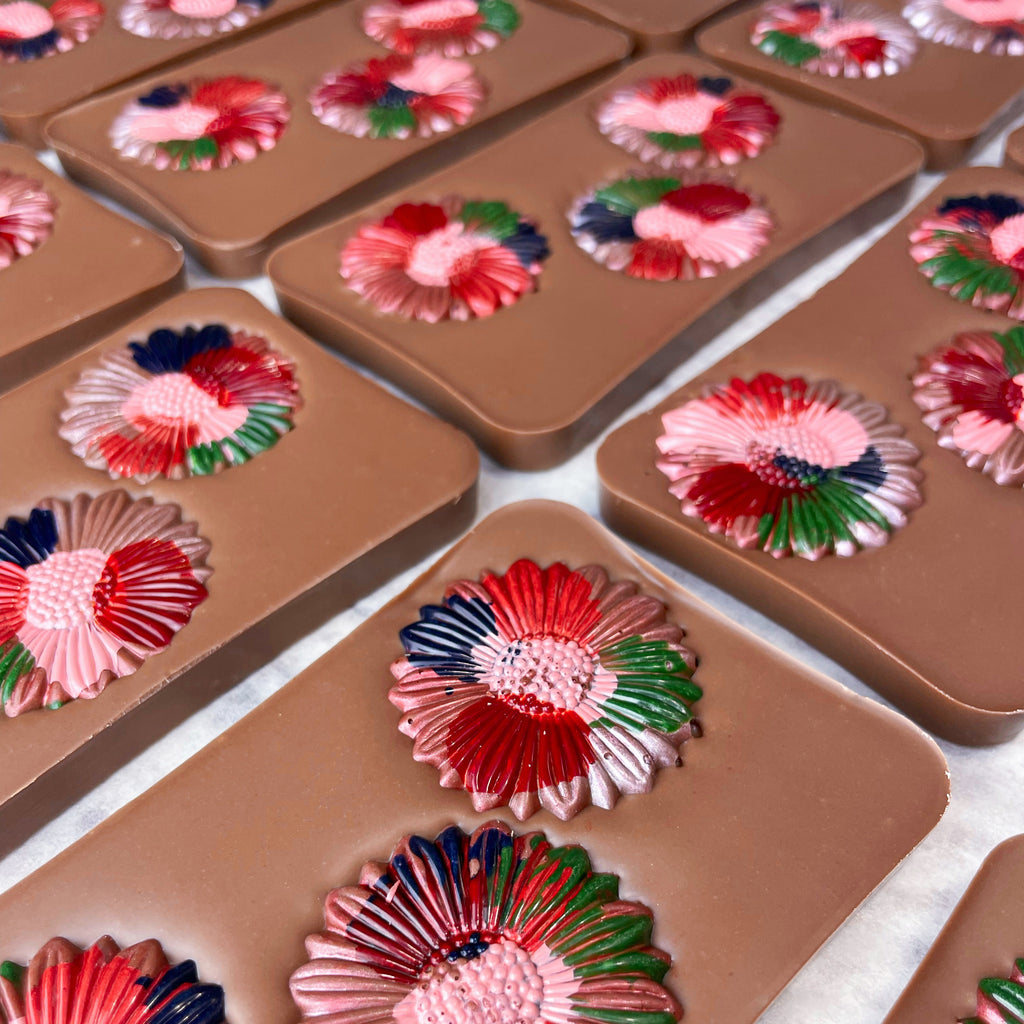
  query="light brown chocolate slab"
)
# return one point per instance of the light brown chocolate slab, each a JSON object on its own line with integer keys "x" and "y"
{"x": 231, "y": 218}
{"x": 95, "y": 272}
{"x": 364, "y": 486}
{"x": 782, "y": 820}
{"x": 921, "y": 620}
{"x": 982, "y": 938}
{"x": 947, "y": 98}
{"x": 1015, "y": 150}
{"x": 31, "y": 92}
{"x": 535, "y": 381}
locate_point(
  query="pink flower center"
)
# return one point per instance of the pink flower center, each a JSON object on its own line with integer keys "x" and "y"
{"x": 501, "y": 986}
{"x": 23, "y": 19}
{"x": 60, "y": 589}
{"x": 664, "y": 221}
{"x": 1007, "y": 241}
{"x": 176, "y": 400}
{"x": 986, "y": 12}
{"x": 445, "y": 254}
{"x": 169, "y": 124}
{"x": 541, "y": 674}
{"x": 833, "y": 33}
{"x": 202, "y": 8}
{"x": 686, "y": 115}
{"x": 438, "y": 15}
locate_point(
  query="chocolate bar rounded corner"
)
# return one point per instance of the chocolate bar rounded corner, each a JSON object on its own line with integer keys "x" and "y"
{"x": 1014, "y": 156}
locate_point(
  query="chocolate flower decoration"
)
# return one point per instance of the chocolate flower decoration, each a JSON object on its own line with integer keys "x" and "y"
{"x": 973, "y": 248}
{"x": 983, "y": 26}
{"x": 452, "y": 28}
{"x": 26, "y": 216}
{"x": 105, "y": 984}
{"x": 30, "y": 29}
{"x": 89, "y": 589}
{"x": 1000, "y": 1000}
{"x": 396, "y": 97}
{"x": 488, "y": 927}
{"x": 188, "y": 19}
{"x": 688, "y": 122}
{"x": 551, "y": 688}
{"x": 181, "y": 403}
{"x": 456, "y": 260}
{"x": 201, "y": 124}
{"x": 662, "y": 229}
{"x": 972, "y": 393}
{"x": 791, "y": 467}
{"x": 856, "y": 40}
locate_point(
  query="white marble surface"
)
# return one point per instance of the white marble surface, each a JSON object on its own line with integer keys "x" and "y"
{"x": 861, "y": 970}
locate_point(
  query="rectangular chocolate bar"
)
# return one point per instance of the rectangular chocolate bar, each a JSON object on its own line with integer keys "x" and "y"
{"x": 922, "y": 618}
{"x": 982, "y": 939}
{"x": 946, "y": 97}
{"x": 318, "y": 515}
{"x": 781, "y": 820}
{"x": 70, "y": 269}
{"x": 292, "y": 171}
{"x": 535, "y": 380}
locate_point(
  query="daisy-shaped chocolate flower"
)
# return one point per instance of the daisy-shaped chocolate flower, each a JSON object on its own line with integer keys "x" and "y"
{"x": 973, "y": 248}
{"x": 181, "y": 403}
{"x": 452, "y": 28}
{"x": 89, "y": 589}
{"x": 26, "y": 216}
{"x": 971, "y": 391}
{"x": 791, "y": 467}
{"x": 485, "y": 928}
{"x": 688, "y": 122}
{"x": 551, "y": 688}
{"x": 188, "y": 19}
{"x": 983, "y": 26}
{"x": 105, "y": 984}
{"x": 30, "y": 29}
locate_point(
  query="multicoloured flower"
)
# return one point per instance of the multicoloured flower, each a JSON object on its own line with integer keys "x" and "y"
{"x": 456, "y": 260}
{"x": 983, "y": 26}
{"x": 89, "y": 589}
{"x": 26, "y": 216}
{"x": 181, "y": 403}
{"x": 188, "y": 19}
{"x": 1001, "y": 1000}
{"x": 202, "y": 124}
{"x": 857, "y": 40}
{"x": 488, "y": 927}
{"x": 30, "y": 29}
{"x": 973, "y": 248}
{"x": 789, "y": 466}
{"x": 551, "y": 688}
{"x": 452, "y": 28}
{"x": 104, "y": 983}
{"x": 972, "y": 393}
{"x": 688, "y": 122}
{"x": 398, "y": 96}
{"x": 662, "y": 229}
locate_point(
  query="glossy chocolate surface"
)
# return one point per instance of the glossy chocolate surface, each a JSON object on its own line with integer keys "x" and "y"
{"x": 95, "y": 272}
{"x": 535, "y": 381}
{"x": 982, "y": 938}
{"x": 1015, "y": 149}
{"x": 232, "y": 217}
{"x": 362, "y": 487}
{"x": 923, "y": 620}
{"x": 782, "y": 820}
{"x": 947, "y": 98}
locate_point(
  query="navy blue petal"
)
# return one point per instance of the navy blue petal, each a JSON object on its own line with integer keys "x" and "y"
{"x": 488, "y": 846}
{"x": 528, "y": 244}
{"x": 31, "y": 49}
{"x": 29, "y": 541}
{"x": 395, "y": 97}
{"x": 445, "y": 636}
{"x": 164, "y": 96}
{"x": 996, "y": 204}
{"x": 167, "y": 351}
{"x": 715, "y": 86}
{"x": 198, "y": 1004}
{"x": 868, "y": 470}
{"x": 605, "y": 225}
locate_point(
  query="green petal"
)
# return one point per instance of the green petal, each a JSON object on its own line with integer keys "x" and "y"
{"x": 607, "y": 937}
{"x": 12, "y": 972}
{"x": 388, "y": 122}
{"x": 1007, "y": 995}
{"x": 495, "y": 218}
{"x": 791, "y": 50}
{"x": 675, "y": 143}
{"x": 1013, "y": 351}
{"x": 500, "y": 16}
{"x": 16, "y": 661}
{"x": 632, "y": 194}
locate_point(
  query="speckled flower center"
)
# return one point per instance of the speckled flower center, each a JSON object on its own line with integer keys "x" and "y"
{"x": 202, "y": 8}
{"x": 1007, "y": 241}
{"x": 176, "y": 400}
{"x": 987, "y": 12}
{"x": 439, "y": 15}
{"x": 23, "y": 19}
{"x": 60, "y": 589}
{"x": 444, "y": 255}
{"x": 500, "y": 986}
{"x": 833, "y": 33}
{"x": 686, "y": 115}
{"x": 542, "y": 674}
{"x": 664, "y": 221}
{"x": 185, "y": 122}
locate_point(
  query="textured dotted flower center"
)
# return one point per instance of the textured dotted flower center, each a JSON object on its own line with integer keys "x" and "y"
{"x": 985, "y": 12}
{"x": 834, "y": 33}
{"x": 60, "y": 589}
{"x": 202, "y": 8}
{"x": 444, "y": 255}
{"x": 186, "y": 122}
{"x": 439, "y": 14}
{"x": 687, "y": 115}
{"x": 542, "y": 673}
{"x": 664, "y": 221}
{"x": 23, "y": 19}
{"x": 1007, "y": 241}
{"x": 170, "y": 399}
{"x": 500, "y": 986}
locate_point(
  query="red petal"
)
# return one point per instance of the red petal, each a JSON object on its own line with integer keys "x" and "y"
{"x": 709, "y": 200}
{"x": 13, "y": 599}
{"x": 416, "y": 219}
